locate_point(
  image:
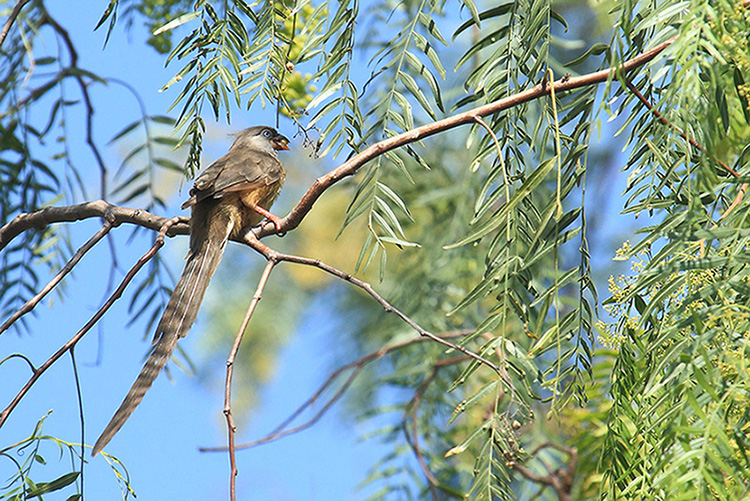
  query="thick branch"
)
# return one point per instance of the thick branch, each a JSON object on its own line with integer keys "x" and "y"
{"x": 99, "y": 208}
{"x": 293, "y": 219}
{"x": 116, "y": 215}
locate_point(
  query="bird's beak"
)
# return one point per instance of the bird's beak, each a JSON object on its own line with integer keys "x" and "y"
{"x": 280, "y": 142}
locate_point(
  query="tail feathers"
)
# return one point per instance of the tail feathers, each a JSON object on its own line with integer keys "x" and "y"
{"x": 178, "y": 317}
{"x": 155, "y": 363}
{"x": 182, "y": 309}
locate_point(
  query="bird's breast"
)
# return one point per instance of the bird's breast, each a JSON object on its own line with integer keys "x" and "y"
{"x": 263, "y": 196}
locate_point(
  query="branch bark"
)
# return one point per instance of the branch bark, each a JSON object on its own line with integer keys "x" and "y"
{"x": 31, "y": 303}
{"x": 273, "y": 255}
{"x": 355, "y": 366}
{"x": 561, "y": 480}
{"x": 114, "y": 214}
{"x": 11, "y": 19}
{"x": 231, "y": 428}
{"x": 101, "y": 208}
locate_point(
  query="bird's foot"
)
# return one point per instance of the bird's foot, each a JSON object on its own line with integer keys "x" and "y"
{"x": 271, "y": 217}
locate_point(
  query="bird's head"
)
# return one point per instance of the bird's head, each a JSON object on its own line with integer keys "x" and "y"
{"x": 261, "y": 138}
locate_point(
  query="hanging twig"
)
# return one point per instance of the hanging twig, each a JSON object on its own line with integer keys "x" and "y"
{"x": 11, "y": 19}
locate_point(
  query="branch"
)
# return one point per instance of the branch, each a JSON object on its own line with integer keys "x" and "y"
{"x": 63, "y": 33}
{"x": 561, "y": 480}
{"x": 664, "y": 121}
{"x": 412, "y": 409}
{"x": 271, "y": 254}
{"x": 114, "y": 214}
{"x": 158, "y": 243}
{"x": 281, "y": 430}
{"x": 31, "y": 303}
{"x": 117, "y": 215}
{"x": 351, "y": 166}
{"x": 143, "y": 218}
{"x": 11, "y": 19}
{"x": 231, "y": 428}
{"x": 682, "y": 134}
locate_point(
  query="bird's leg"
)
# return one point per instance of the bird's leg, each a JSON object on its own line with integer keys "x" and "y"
{"x": 274, "y": 219}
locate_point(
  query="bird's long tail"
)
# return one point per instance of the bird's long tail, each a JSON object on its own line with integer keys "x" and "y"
{"x": 176, "y": 321}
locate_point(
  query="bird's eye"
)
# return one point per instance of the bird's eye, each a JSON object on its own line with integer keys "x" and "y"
{"x": 267, "y": 133}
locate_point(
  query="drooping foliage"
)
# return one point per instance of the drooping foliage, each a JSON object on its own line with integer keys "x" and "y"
{"x": 479, "y": 233}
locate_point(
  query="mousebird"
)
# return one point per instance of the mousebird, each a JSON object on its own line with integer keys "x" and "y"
{"x": 232, "y": 194}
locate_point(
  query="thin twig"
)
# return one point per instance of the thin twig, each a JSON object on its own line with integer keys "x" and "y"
{"x": 11, "y": 19}
{"x": 411, "y": 413}
{"x": 682, "y": 134}
{"x": 231, "y": 428}
{"x": 271, "y": 437}
{"x": 664, "y": 121}
{"x": 49, "y": 215}
{"x": 63, "y": 33}
{"x": 494, "y": 137}
{"x": 81, "y": 415}
{"x": 357, "y": 365}
{"x": 737, "y": 200}
{"x": 388, "y": 307}
{"x": 158, "y": 243}
{"x": 31, "y": 303}
{"x": 143, "y": 218}
{"x": 561, "y": 480}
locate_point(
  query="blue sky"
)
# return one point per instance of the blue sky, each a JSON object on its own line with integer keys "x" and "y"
{"x": 159, "y": 443}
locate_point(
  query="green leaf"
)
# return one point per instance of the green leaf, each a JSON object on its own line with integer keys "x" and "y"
{"x": 594, "y": 50}
{"x": 534, "y": 180}
{"x": 174, "y": 23}
{"x": 57, "y": 484}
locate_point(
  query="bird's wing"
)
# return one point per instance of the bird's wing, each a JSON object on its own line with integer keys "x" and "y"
{"x": 230, "y": 174}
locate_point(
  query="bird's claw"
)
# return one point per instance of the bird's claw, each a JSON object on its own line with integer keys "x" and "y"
{"x": 277, "y": 224}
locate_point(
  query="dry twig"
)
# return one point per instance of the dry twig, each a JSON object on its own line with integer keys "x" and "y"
{"x": 356, "y": 367}
{"x": 388, "y": 307}
{"x": 561, "y": 480}
{"x": 232, "y": 429}
{"x": 116, "y": 215}
{"x": 31, "y": 303}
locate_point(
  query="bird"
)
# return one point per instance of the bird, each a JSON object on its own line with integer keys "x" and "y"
{"x": 233, "y": 193}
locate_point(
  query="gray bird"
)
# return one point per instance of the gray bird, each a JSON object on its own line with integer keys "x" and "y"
{"x": 233, "y": 193}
